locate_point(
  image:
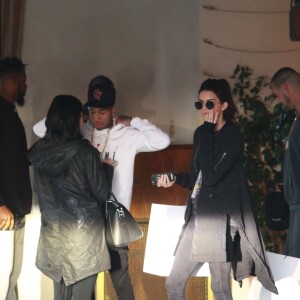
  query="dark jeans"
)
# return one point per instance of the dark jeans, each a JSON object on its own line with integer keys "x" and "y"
{"x": 183, "y": 269}
{"x": 119, "y": 273}
{"x": 80, "y": 290}
{"x": 292, "y": 245}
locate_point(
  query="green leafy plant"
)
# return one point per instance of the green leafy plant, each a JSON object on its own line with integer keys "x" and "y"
{"x": 264, "y": 124}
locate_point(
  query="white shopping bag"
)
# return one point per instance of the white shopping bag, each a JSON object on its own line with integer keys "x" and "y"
{"x": 286, "y": 272}
{"x": 163, "y": 232}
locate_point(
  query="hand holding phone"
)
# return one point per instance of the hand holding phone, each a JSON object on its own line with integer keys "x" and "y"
{"x": 156, "y": 177}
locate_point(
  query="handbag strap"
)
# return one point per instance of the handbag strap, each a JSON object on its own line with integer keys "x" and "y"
{"x": 110, "y": 198}
{"x": 113, "y": 196}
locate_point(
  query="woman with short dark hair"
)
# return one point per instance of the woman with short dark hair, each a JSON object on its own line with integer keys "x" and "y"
{"x": 71, "y": 186}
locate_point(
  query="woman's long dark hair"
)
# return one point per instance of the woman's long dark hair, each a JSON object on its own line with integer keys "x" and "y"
{"x": 222, "y": 89}
{"x": 63, "y": 117}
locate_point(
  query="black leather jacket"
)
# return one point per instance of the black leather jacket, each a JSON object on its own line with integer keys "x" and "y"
{"x": 71, "y": 186}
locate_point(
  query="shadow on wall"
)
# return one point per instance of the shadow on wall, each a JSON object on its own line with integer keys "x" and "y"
{"x": 137, "y": 96}
{"x": 133, "y": 84}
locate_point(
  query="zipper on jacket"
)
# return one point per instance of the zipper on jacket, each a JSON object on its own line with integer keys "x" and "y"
{"x": 195, "y": 165}
{"x": 223, "y": 155}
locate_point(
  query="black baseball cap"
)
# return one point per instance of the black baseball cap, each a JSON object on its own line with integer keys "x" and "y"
{"x": 101, "y": 96}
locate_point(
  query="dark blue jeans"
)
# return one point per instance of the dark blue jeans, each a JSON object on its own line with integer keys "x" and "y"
{"x": 183, "y": 269}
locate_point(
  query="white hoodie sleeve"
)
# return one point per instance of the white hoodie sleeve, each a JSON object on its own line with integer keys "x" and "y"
{"x": 152, "y": 137}
{"x": 40, "y": 128}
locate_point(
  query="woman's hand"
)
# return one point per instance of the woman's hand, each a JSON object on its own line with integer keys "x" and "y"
{"x": 110, "y": 162}
{"x": 164, "y": 181}
{"x": 211, "y": 118}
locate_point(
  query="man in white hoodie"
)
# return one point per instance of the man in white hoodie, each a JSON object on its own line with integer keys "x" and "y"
{"x": 118, "y": 140}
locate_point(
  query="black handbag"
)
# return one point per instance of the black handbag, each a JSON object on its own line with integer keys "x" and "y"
{"x": 121, "y": 228}
{"x": 277, "y": 211}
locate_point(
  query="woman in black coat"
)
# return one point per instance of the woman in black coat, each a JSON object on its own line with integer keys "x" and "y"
{"x": 71, "y": 186}
{"x": 220, "y": 226}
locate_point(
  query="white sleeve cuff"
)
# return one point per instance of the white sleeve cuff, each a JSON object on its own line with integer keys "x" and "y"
{"x": 40, "y": 128}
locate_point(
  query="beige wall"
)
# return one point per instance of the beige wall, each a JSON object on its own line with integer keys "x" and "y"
{"x": 154, "y": 52}
{"x": 261, "y": 31}
{"x": 148, "y": 48}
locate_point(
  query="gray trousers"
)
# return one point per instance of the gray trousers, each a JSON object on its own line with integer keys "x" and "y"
{"x": 183, "y": 269}
{"x": 12, "y": 263}
{"x": 80, "y": 290}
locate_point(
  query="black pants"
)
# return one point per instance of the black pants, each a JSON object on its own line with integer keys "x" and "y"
{"x": 119, "y": 273}
{"x": 80, "y": 290}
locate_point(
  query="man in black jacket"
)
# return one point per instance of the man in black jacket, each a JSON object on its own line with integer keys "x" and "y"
{"x": 285, "y": 85}
{"x": 15, "y": 189}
